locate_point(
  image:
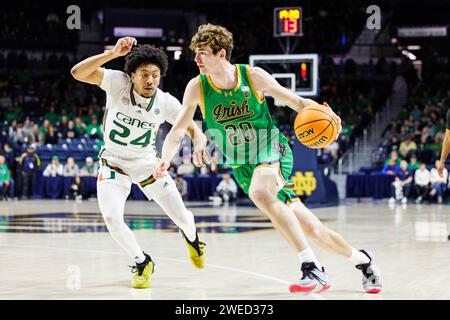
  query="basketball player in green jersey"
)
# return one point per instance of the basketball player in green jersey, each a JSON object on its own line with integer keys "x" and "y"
{"x": 234, "y": 109}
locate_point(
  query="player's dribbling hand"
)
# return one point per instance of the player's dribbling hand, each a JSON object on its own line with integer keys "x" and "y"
{"x": 124, "y": 46}
{"x": 161, "y": 169}
{"x": 336, "y": 117}
{"x": 200, "y": 156}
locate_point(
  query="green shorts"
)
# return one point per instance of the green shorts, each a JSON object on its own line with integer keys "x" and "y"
{"x": 244, "y": 173}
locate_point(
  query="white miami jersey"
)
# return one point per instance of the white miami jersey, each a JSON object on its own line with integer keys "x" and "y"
{"x": 131, "y": 122}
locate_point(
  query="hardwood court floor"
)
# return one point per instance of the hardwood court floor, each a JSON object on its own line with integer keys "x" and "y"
{"x": 61, "y": 250}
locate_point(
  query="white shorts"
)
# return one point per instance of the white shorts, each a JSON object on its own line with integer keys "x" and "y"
{"x": 124, "y": 172}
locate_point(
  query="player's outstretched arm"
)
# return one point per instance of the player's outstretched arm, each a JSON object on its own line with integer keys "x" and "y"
{"x": 264, "y": 82}
{"x": 173, "y": 139}
{"x": 89, "y": 70}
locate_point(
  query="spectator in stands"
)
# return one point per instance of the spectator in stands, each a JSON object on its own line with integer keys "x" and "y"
{"x": 390, "y": 131}
{"x": 4, "y": 179}
{"x": 54, "y": 168}
{"x": 438, "y": 183}
{"x": 77, "y": 191}
{"x": 94, "y": 130}
{"x": 71, "y": 133}
{"x": 422, "y": 182}
{"x": 4, "y": 138}
{"x": 51, "y": 115}
{"x": 12, "y": 128}
{"x": 51, "y": 137}
{"x": 391, "y": 168}
{"x": 407, "y": 148}
{"x": 413, "y": 164}
{"x": 37, "y": 137}
{"x": 433, "y": 147}
{"x": 30, "y": 163}
{"x": 10, "y": 157}
{"x": 19, "y": 138}
{"x": 227, "y": 188}
{"x": 80, "y": 127}
{"x": 27, "y": 129}
{"x": 63, "y": 126}
{"x": 402, "y": 184}
{"x": 5, "y": 101}
{"x": 416, "y": 113}
{"x": 427, "y": 133}
{"x": 394, "y": 156}
{"x": 71, "y": 169}
{"x": 90, "y": 168}
{"x": 393, "y": 144}
{"x": 182, "y": 187}
{"x": 45, "y": 128}
{"x": 186, "y": 167}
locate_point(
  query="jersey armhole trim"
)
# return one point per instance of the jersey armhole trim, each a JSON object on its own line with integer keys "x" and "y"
{"x": 202, "y": 96}
{"x": 247, "y": 69}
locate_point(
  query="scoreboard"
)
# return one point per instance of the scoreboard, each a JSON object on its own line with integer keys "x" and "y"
{"x": 287, "y": 22}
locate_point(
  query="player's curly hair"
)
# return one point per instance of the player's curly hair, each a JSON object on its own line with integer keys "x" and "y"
{"x": 146, "y": 54}
{"x": 214, "y": 36}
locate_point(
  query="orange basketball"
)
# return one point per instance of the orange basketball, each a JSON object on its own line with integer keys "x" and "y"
{"x": 315, "y": 127}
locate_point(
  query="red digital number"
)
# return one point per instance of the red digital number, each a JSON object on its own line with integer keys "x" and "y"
{"x": 290, "y": 26}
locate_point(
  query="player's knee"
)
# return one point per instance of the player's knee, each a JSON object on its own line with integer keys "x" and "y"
{"x": 113, "y": 223}
{"x": 261, "y": 197}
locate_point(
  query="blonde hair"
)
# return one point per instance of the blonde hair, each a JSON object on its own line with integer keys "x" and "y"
{"x": 214, "y": 36}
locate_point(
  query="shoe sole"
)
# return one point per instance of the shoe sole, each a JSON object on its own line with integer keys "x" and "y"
{"x": 199, "y": 264}
{"x": 296, "y": 288}
{"x": 377, "y": 290}
{"x": 141, "y": 287}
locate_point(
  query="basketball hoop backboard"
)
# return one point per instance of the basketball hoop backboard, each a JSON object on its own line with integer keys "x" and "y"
{"x": 302, "y": 70}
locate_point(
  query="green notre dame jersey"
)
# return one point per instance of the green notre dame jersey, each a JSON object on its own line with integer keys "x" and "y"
{"x": 239, "y": 121}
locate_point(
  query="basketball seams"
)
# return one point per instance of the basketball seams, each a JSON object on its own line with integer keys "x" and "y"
{"x": 312, "y": 108}
{"x": 304, "y": 124}
{"x": 332, "y": 131}
{"x": 331, "y": 122}
{"x": 317, "y": 135}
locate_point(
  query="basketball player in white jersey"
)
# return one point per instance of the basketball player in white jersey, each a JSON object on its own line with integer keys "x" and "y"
{"x": 135, "y": 108}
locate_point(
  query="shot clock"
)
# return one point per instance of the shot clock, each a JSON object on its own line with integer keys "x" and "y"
{"x": 287, "y": 22}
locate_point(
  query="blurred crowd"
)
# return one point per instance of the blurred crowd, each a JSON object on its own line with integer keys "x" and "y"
{"x": 412, "y": 145}
{"x": 420, "y": 127}
{"x": 52, "y": 124}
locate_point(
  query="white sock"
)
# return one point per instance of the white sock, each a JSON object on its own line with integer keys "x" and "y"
{"x": 307, "y": 255}
{"x": 190, "y": 235}
{"x": 358, "y": 257}
{"x": 139, "y": 258}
